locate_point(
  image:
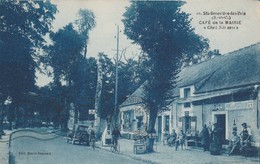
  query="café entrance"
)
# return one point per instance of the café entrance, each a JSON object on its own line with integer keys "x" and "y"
{"x": 221, "y": 119}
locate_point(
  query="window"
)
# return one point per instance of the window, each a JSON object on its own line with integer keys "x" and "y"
{"x": 139, "y": 122}
{"x": 186, "y": 123}
{"x": 186, "y": 92}
{"x": 167, "y": 123}
{"x": 187, "y": 105}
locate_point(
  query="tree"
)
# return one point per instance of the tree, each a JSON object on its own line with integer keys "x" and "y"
{"x": 164, "y": 33}
{"x": 131, "y": 74}
{"x": 66, "y": 60}
{"x": 64, "y": 54}
{"x": 23, "y": 25}
{"x": 108, "y": 85}
{"x": 199, "y": 58}
{"x": 87, "y": 100}
{"x": 85, "y": 23}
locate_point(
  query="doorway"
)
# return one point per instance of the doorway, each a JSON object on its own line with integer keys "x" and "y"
{"x": 186, "y": 124}
{"x": 221, "y": 121}
{"x": 167, "y": 123}
{"x": 139, "y": 122}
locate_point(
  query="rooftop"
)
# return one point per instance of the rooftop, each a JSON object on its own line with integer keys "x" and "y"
{"x": 236, "y": 69}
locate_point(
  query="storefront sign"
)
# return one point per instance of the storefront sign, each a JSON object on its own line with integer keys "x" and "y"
{"x": 239, "y": 105}
{"x": 217, "y": 107}
{"x": 132, "y": 100}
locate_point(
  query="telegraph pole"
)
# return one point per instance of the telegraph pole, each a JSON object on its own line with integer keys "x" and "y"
{"x": 116, "y": 84}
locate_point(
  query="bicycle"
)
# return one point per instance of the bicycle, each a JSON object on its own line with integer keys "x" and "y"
{"x": 115, "y": 147}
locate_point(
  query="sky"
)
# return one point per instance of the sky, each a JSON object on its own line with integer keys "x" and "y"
{"x": 109, "y": 15}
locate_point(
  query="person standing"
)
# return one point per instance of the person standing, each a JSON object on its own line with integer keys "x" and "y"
{"x": 217, "y": 135}
{"x": 216, "y": 145}
{"x": 172, "y": 138}
{"x": 245, "y": 136}
{"x": 205, "y": 138}
{"x": 91, "y": 132}
{"x": 210, "y": 131}
{"x": 180, "y": 140}
{"x": 165, "y": 136}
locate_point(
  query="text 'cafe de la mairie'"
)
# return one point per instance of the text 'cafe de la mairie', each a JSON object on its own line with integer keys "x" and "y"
{"x": 223, "y": 90}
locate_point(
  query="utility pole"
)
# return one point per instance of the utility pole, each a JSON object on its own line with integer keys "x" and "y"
{"x": 116, "y": 84}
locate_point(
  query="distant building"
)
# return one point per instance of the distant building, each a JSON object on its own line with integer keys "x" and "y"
{"x": 132, "y": 112}
{"x": 223, "y": 90}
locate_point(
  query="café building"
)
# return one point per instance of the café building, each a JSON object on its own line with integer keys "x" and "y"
{"x": 223, "y": 90}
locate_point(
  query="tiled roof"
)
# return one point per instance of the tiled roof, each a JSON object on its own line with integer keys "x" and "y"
{"x": 235, "y": 69}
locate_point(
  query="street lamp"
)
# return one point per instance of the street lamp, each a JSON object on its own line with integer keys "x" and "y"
{"x": 8, "y": 101}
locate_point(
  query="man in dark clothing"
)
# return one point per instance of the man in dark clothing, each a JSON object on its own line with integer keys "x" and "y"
{"x": 216, "y": 145}
{"x": 245, "y": 136}
{"x": 205, "y": 138}
{"x": 217, "y": 135}
{"x": 115, "y": 135}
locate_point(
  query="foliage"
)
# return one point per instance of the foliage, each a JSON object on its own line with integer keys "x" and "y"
{"x": 30, "y": 19}
{"x": 53, "y": 100}
{"x": 71, "y": 67}
{"x": 131, "y": 75}
{"x": 108, "y": 85}
{"x": 164, "y": 33}
{"x": 199, "y": 58}
{"x": 64, "y": 54}
{"x": 85, "y": 22}
{"x": 87, "y": 86}
{"x": 23, "y": 25}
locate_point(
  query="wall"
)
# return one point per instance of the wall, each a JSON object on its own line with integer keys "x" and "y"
{"x": 198, "y": 112}
{"x": 240, "y": 115}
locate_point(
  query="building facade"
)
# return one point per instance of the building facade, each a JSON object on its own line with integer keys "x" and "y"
{"x": 133, "y": 114}
{"x": 223, "y": 90}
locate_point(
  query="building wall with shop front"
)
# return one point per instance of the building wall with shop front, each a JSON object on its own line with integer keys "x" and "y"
{"x": 133, "y": 118}
{"x": 245, "y": 114}
{"x": 207, "y": 113}
{"x": 200, "y": 116}
{"x": 240, "y": 111}
{"x": 187, "y": 119}
{"x": 164, "y": 122}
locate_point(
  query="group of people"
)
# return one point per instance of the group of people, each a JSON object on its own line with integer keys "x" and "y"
{"x": 212, "y": 140}
{"x": 239, "y": 143}
{"x": 92, "y": 134}
{"x": 175, "y": 139}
